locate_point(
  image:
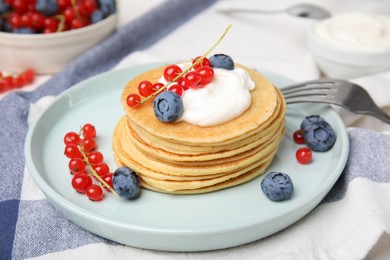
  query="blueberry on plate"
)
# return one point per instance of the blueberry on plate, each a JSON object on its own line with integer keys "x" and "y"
{"x": 168, "y": 106}
{"x": 277, "y": 186}
{"x": 320, "y": 136}
{"x": 47, "y": 7}
{"x": 126, "y": 183}
{"x": 309, "y": 120}
{"x": 221, "y": 61}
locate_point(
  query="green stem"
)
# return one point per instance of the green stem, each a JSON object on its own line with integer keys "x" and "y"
{"x": 92, "y": 170}
{"x": 188, "y": 69}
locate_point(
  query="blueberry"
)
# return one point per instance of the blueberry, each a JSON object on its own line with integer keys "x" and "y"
{"x": 320, "y": 136}
{"x": 310, "y": 120}
{"x": 126, "y": 183}
{"x": 47, "y": 7}
{"x": 23, "y": 30}
{"x": 4, "y": 7}
{"x": 168, "y": 106}
{"x": 107, "y": 7}
{"x": 97, "y": 16}
{"x": 277, "y": 186}
{"x": 221, "y": 61}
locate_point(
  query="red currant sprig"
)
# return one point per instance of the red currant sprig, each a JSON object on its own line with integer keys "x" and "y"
{"x": 14, "y": 80}
{"x": 172, "y": 74}
{"x": 85, "y": 163}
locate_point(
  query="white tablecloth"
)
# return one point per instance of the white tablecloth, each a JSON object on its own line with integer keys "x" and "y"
{"x": 274, "y": 42}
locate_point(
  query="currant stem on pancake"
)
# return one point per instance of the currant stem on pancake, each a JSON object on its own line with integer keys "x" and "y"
{"x": 189, "y": 68}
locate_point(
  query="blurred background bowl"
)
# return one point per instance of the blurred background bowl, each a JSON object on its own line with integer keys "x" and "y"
{"x": 49, "y": 53}
{"x": 343, "y": 62}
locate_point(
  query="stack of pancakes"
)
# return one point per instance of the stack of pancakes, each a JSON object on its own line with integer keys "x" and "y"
{"x": 182, "y": 158}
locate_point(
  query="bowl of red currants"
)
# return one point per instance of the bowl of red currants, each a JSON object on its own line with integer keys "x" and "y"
{"x": 45, "y": 35}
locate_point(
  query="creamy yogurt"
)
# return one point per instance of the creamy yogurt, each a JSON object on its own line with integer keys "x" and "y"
{"x": 225, "y": 98}
{"x": 356, "y": 31}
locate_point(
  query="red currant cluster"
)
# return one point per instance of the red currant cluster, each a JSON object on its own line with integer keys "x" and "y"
{"x": 11, "y": 81}
{"x": 86, "y": 161}
{"x": 303, "y": 154}
{"x": 35, "y": 16}
{"x": 196, "y": 76}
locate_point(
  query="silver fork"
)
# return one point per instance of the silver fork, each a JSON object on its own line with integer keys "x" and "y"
{"x": 337, "y": 92}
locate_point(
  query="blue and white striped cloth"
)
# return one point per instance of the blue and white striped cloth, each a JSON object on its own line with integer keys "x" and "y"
{"x": 346, "y": 224}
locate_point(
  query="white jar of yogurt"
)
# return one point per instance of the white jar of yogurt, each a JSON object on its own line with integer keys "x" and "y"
{"x": 351, "y": 45}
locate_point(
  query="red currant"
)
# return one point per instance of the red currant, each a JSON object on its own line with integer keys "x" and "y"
{"x": 90, "y": 6}
{"x": 72, "y": 151}
{"x": 206, "y": 74}
{"x": 72, "y": 138}
{"x": 108, "y": 179}
{"x": 88, "y": 144}
{"x": 89, "y": 130}
{"x": 145, "y": 88}
{"x": 182, "y": 83}
{"x": 133, "y": 100}
{"x": 303, "y": 155}
{"x": 171, "y": 72}
{"x": 204, "y": 62}
{"x": 77, "y": 165}
{"x": 156, "y": 86}
{"x": 176, "y": 88}
{"x": 193, "y": 79}
{"x": 81, "y": 181}
{"x": 95, "y": 157}
{"x": 101, "y": 169}
{"x": 298, "y": 136}
{"x": 94, "y": 192}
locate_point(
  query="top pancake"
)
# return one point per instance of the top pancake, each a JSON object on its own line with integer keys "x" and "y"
{"x": 264, "y": 102}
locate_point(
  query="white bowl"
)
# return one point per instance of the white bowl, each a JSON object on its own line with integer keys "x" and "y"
{"x": 344, "y": 62}
{"x": 49, "y": 53}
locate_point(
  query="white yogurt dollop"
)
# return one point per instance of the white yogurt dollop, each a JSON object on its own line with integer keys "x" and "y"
{"x": 225, "y": 98}
{"x": 357, "y": 31}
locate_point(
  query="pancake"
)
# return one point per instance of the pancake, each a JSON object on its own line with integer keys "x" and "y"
{"x": 181, "y": 158}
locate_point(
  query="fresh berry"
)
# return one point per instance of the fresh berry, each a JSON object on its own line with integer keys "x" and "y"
{"x": 72, "y": 138}
{"x": 168, "y": 106}
{"x": 204, "y": 62}
{"x": 97, "y": 16}
{"x": 176, "y": 88}
{"x": 277, "y": 186}
{"x": 88, "y": 130}
{"x": 81, "y": 181}
{"x": 101, "y": 169}
{"x": 108, "y": 179}
{"x": 95, "y": 157}
{"x": 221, "y": 61}
{"x": 72, "y": 151}
{"x": 206, "y": 75}
{"x": 193, "y": 79}
{"x": 156, "y": 86}
{"x": 145, "y": 88}
{"x": 108, "y": 7}
{"x": 94, "y": 192}
{"x": 298, "y": 136}
{"x": 4, "y": 6}
{"x": 126, "y": 183}
{"x": 303, "y": 155}
{"x": 133, "y": 100}
{"x": 47, "y": 7}
{"x": 320, "y": 136}
{"x": 171, "y": 72}
{"x": 88, "y": 144}
{"x": 309, "y": 120}
{"x": 77, "y": 165}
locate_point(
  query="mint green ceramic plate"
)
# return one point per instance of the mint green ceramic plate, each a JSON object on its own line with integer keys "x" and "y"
{"x": 215, "y": 220}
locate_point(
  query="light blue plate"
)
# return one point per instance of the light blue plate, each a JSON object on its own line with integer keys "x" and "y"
{"x": 158, "y": 221}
